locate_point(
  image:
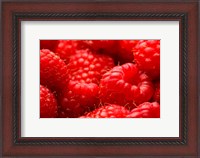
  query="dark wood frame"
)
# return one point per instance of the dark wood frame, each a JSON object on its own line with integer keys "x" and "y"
{"x": 185, "y": 12}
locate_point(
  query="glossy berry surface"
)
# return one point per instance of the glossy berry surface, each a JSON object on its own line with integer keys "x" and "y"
{"x": 126, "y": 50}
{"x": 125, "y": 85}
{"x": 53, "y": 70}
{"x": 147, "y": 57}
{"x": 107, "y": 47}
{"x": 108, "y": 111}
{"x": 67, "y": 48}
{"x": 146, "y": 110}
{"x": 48, "y": 103}
{"x": 78, "y": 98}
{"x": 88, "y": 67}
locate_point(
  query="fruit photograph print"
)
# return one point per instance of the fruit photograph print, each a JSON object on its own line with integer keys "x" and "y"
{"x": 100, "y": 78}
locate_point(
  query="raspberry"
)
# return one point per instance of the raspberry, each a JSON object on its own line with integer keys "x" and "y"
{"x": 66, "y": 48}
{"x": 85, "y": 70}
{"x": 156, "y": 96}
{"x": 108, "y": 47}
{"x": 125, "y": 85}
{"x": 108, "y": 111}
{"x": 146, "y": 110}
{"x": 101, "y": 45}
{"x": 53, "y": 70}
{"x": 78, "y": 98}
{"x": 88, "y": 67}
{"x": 48, "y": 103}
{"x": 147, "y": 56}
{"x": 126, "y": 50}
{"x": 48, "y": 44}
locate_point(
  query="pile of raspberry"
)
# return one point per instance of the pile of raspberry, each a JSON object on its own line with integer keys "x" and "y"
{"x": 100, "y": 78}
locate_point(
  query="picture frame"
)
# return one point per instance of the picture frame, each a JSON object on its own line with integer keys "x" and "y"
{"x": 187, "y": 144}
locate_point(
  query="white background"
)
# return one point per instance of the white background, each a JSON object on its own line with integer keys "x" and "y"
{"x": 166, "y": 126}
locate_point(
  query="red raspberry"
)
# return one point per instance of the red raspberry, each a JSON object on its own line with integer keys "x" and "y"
{"x": 146, "y": 110}
{"x": 66, "y": 48}
{"x": 85, "y": 71}
{"x": 48, "y": 44}
{"x": 125, "y": 85}
{"x": 156, "y": 96}
{"x": 101, "y": 45}
{"x": 126, "y": 50}
{"x": 88, "y": 67}
{"x": 108, "y": 111}
{"x": 109, "y": 47}
{"x": 147, "y": 56}
{"x": 53, "y": 70}
{"x": 48, "y": 103}
{"x": 78, "y": 98}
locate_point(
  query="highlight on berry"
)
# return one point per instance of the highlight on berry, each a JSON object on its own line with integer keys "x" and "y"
{"x": 100, "y": 78}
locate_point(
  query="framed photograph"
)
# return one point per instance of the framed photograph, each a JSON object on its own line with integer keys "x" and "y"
{"x": 100, "y": 79}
